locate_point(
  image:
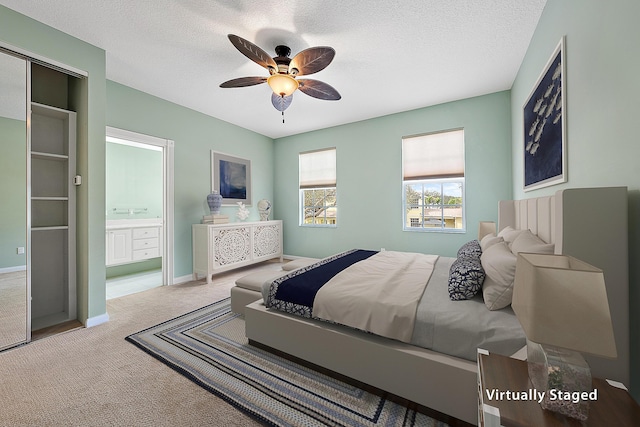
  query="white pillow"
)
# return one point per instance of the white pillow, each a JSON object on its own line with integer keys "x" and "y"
{"x": 499, "y": 265}
{"x": 529, "y": 242}
{"x": 509, "y": 234}
{"x": 490, "y": 240}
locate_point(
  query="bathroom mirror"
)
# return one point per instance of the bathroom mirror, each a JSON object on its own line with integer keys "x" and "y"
{"x": 14, "y": 289}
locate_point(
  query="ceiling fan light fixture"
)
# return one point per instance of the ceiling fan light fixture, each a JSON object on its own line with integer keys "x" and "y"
{"x": 283, "y": 71}
{"x": 282, "y": 84}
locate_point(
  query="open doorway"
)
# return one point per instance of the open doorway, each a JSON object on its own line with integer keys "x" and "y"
{"x": 139, "y": 212}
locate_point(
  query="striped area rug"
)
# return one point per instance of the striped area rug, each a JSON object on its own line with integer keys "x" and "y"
{"x": 209, "y": 347}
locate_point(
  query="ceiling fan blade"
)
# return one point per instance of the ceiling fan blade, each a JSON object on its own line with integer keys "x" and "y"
{"x": 243, "y": 82}
{"x": 311, "y": 60}
{"x": 253, "y": 52}
{"x": 318, "y": 89}
{"x": 281, "y": 102}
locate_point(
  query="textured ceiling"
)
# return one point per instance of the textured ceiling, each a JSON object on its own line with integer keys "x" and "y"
{"x": 391, "y": 55}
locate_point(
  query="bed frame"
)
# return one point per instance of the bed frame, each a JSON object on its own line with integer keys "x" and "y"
{"x": 587, "y": 223}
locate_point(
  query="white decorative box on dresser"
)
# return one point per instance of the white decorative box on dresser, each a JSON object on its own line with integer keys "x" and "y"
{"x": 133, "y": 240}
{"x": 222, "y": 247}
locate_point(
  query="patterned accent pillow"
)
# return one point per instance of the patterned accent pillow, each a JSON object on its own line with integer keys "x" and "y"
{"x": 470, "y": 249}
{"x": 465, "y": 278}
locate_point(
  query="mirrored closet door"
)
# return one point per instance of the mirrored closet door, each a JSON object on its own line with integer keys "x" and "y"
{"x": 38, "y": 127}
{"x": 15, "y": 316}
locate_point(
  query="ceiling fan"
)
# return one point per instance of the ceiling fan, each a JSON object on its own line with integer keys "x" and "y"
{"x": 284, "y": 70}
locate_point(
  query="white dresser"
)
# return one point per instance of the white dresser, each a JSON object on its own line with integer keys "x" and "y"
{"x": 133, "y": 241}
{"x": 222, "y": 247}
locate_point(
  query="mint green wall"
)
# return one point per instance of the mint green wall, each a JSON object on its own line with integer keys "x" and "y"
{"x": 195, "y": 135}
{"x": 13, "y": 168}
{"x": 133, "y": 181}
{"x": 602, "y": 91}
{"x": 90, "y": 98}
{"x": 134, "y": 268}
{"x": 369, "y": 174}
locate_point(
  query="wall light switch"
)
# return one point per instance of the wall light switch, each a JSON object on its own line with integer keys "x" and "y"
{"x": 20, "y": 250}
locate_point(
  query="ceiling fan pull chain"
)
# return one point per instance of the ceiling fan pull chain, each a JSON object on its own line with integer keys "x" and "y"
{"x": 282, "y": 116}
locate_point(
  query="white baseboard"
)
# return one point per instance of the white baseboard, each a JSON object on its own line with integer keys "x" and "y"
{"x": 182, "y": 279}
{"x": 13, "y": 269}
{"x": 97, "y": 320}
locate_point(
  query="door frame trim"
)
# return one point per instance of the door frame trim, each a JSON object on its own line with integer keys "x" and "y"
{"x": 168, "y": 192}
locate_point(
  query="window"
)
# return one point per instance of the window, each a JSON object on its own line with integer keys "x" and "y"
{"x": 317, "y": 171}
{"x": 433, "y": 181}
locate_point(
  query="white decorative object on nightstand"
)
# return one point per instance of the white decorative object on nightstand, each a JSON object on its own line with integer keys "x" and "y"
{"x": 222, "y": 247}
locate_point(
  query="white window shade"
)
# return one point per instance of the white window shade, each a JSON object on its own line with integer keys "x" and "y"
{"x": 433, "y": 156}
{"x": 318, "y": 169}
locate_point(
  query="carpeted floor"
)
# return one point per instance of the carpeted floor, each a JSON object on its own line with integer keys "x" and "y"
{"x": 209, "y": 346}
{"x": 12, "y": 307}
{"x": 93, "y": 377}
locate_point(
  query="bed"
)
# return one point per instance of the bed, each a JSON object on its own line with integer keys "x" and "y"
{"x": 589, "y": 223}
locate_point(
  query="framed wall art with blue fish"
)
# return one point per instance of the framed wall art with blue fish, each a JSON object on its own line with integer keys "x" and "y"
{"x": 545, "y": 153}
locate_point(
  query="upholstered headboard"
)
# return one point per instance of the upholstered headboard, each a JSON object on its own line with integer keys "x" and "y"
{"x": 590, "y": 224}
{"x": 537, "y": 215}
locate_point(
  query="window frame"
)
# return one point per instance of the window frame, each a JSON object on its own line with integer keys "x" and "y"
{"x": 314, "y": 186}
{"x": 421, "y": 228}
{"x": 439, "y": 180}
{"x": 325, "y": 207}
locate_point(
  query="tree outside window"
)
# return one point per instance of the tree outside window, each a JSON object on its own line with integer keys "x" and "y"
{"x": 433, "y": 182}
{"x": 319, "y": 206}
{"x": 318, "y": 194}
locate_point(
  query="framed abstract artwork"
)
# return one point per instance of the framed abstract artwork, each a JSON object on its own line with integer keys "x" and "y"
{"x": 231, "y": 177}
{"x": 545, "y": 154}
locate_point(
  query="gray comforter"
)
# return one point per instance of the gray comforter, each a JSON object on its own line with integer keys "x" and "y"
{"x": 458, "y": 328}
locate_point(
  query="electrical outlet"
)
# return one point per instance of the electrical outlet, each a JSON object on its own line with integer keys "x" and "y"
{"x": 20, "y": 250}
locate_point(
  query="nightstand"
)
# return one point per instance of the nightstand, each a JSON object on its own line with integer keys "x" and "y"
{"x": 496, "y": 373}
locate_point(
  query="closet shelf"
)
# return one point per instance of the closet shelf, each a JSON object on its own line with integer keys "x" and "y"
{"x": 54, "y": 199}
{"x": 52, "y": 227}
{"x": 49, "y": 110}
{"x": 49, "y": 156}
{"x": 53, "y": 216}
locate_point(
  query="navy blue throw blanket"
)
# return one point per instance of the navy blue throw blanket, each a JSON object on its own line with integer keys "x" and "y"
{"x": 295, "y": 292}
